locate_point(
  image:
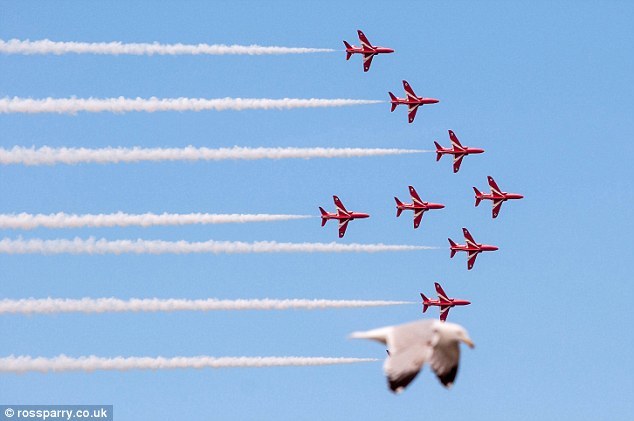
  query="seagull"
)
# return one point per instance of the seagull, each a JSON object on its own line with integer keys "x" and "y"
{"x": 411, "y": 345}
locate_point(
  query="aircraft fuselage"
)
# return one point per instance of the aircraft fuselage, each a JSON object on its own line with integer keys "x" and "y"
{"x": 350, "y": 216}
{"x": 451, "y": 303}
{"x": 478, "y": 249}
{"x": 504, "y": 197}
{"x": 419, "y": 101}
{"x": 466, "y": 151}
{"x": 375, "y": 50}
{"x": 415, "y": 207}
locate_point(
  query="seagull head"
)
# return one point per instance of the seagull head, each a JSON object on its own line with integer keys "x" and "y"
{"x": 455, "y": 332}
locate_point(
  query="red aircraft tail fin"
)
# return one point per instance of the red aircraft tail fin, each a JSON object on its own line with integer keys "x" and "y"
{"x": 399, "y": 209}
{"x": 425, "y": 299}
{"x": 348, "y": 47}
{"x": 452, "y": 244}
{"x": 323, "y": 216}
{"x": 393, "y": 98}
{"x": 438, "y": 149}
{"x": 477, "y": 196}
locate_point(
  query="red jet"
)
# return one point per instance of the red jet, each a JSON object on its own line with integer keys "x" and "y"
{"x": 342, "y": 215}
{"x": 418, "y": 206}
{"x": 412, "y": 101}
{"x": 471, "y": 247}
{"x": 445, "y": 303}
{"x": 457, "y": 150}
{"x": 497, "y": 196}
{"x": 368, "y": 50}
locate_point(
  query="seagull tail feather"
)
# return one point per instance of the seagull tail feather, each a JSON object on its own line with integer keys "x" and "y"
{"x": 379, "y": 334}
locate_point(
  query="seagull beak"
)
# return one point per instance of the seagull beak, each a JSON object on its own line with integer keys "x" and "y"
{"x": 469, "y": 342}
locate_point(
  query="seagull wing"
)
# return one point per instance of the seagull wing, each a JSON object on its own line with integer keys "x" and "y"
{"x": 444, "y": 361}
{"x": 402, "y": 367}
{"x": 410, "y": 345}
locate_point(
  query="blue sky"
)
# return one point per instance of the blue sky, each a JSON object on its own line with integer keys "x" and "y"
{"x": 545, "y": 88}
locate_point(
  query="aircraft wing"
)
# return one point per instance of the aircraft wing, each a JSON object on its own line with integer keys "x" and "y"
{"x": 497, "y": 205}
{"x": 409, "y": 92}
{"x": 454, "y": 141}
{"x": 364, "y": 41}
{"x": 412, "y": 112}
{"x": 418, "y": 216}
{"x": 414, "y": 195}
{"x": 457, "y": 160}
{"x": 367, "y": 61}
{"x": 469, "y": 238}
{"x": 444, "y": 312}
{"x": 471, "y": 260}
{"x": 494, "y": 186}
{"x": 343, "y": 225}
{"x": 341, "y": 210}
{"x": 442, "y": 296}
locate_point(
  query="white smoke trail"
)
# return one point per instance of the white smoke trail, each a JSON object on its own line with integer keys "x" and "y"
{"x": 49, "y": 156}
{"x": 21, "y": 364}
{"x": 103, "y": 246}
{"x": 150, "y": 105}
{"x": 115, "y": 305}
{"x": 27, "y": 221}
{"x": 46, "y": 46}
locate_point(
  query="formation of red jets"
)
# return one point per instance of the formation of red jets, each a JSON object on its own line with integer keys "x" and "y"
{"x": 418, "y": 206}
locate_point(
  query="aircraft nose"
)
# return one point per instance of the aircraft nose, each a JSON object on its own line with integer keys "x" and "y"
{"x": 389, "y": 50}
{"x": 440, "y": 206}
{"x": 495, "y": 248}
{"x": 435, "y": 101}
{"x": 519, "y": 196}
